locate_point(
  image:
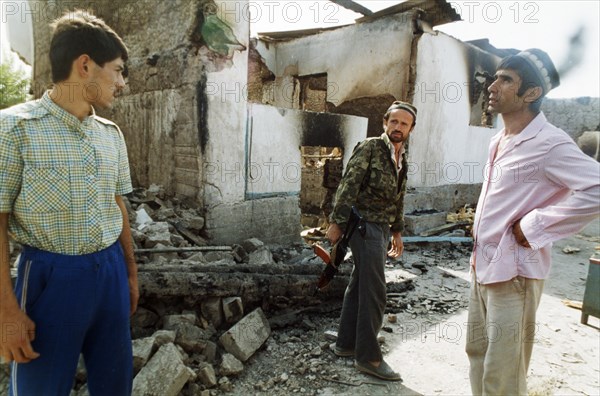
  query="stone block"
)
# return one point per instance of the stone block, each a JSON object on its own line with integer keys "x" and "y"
{"x": 142, "y": 350}
{"x": 212, "y": 310}
{"x": 225, "y": 385}
{"x": 144, "y": 318}
{"x": 192, "y": 338}
{"x": 210, "y": 352}
{"x": 417, "y": 223}
{"x": 162, "y": 337}
{"x": 260, "y": 256}
{"x": 157, "y": 233}
{"x": 252, "y": 244}
{"x": 239, "y": 254}
{"x": 167, "y": 256}
{"x": 414, "y": 201}
{"x": 171, "y": 322}
{"x": 192, "y": 221}
{"x": 142, "y": 219}
{"x": 163, "y": 214}
{"x": 230, "y": 365}
{"x": 246, "y": 336}
{"x": 206, "y": 374}
{"x": 233, "y": 309}
{"x": 164, "y": 375}
{"x": 217, "y": 256}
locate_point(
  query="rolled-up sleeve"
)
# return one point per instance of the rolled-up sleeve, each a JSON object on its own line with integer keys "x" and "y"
{"x": 11, "y": 168}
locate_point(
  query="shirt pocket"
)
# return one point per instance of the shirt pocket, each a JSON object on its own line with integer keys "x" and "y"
{"x": 382, "y": 181}
{"x": 47, "y": 189}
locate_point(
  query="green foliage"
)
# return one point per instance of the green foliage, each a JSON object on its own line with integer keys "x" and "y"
{"x": 13, "y": 85}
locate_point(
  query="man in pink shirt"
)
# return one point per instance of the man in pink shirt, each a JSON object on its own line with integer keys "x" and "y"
{"x": 539, "y": 187}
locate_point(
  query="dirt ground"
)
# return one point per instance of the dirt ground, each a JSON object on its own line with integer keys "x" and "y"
{"x": 426, "y": 344}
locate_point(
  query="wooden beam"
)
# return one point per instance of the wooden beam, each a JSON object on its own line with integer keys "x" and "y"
{"x": 352, "y": 6}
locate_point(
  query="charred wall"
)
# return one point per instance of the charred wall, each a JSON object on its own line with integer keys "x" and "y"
{"x": 165, "y": 111}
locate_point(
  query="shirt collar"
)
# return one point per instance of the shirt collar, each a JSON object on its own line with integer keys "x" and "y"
{"x": 532, "y": 129}
{"x": 63, "y": 115}
{"x": 392, "y": 149}
{"x": 529, "y": 132}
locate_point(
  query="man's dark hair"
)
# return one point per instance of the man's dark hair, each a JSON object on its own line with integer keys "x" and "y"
{"x": 77, "y": 33}
{"x": 529, "y": 78}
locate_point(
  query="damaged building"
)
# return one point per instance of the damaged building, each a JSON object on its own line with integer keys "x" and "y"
{"x": 239, "y": 125}
{"x": 241, "y": 141}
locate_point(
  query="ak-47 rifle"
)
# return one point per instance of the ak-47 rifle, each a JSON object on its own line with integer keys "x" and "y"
{"x": 338, "y": 251}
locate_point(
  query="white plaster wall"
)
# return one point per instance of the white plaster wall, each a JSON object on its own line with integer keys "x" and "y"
{"x": 18, "y": 17}
{"x": 273, "y": 148}
{"x": 444, "y": 149}
{"x": 360, "y": 60}
{"x": 273, "y": 151}
{"x": 223, "y": 162}
{"x": 269, "y": 53}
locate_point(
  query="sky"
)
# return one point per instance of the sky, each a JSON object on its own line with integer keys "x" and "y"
{"x": 545, "y": 24}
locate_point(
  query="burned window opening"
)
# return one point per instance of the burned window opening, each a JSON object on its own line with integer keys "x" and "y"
{"x": 480, "y": 96}
{"x": 313, "y": 93}
{"x": 373, "y": 108}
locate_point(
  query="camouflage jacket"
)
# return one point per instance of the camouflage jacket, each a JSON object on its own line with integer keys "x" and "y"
{"x": 371, "y": 183}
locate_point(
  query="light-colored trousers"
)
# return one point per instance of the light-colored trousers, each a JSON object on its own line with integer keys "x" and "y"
{"x": 500, "y": 334}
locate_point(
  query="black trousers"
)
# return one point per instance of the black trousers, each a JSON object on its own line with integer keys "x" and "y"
{"x": 365, "y": 296}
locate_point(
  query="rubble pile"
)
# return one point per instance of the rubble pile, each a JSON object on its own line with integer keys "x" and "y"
{"x": 242, "y": 320}
{"x": 189, "y": 352}
{"x": 158, "y": 222}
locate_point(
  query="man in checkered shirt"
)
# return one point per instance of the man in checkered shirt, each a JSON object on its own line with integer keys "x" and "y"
{"x": 63, "y": 171}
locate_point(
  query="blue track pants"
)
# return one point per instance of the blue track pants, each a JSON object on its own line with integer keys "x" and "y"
{"x": 80, "y": 305}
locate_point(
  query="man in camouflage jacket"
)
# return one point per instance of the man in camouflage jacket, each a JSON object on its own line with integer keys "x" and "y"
{"x": 374, "y": 182}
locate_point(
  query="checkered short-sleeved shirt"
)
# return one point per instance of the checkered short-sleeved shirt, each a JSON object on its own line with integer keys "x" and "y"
{"x": 59, "y": 177}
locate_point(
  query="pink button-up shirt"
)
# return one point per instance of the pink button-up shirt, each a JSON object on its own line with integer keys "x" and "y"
{"x": 542, "y": 178}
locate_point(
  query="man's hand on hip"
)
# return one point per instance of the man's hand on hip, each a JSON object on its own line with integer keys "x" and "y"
{"x": 519, "y": 236}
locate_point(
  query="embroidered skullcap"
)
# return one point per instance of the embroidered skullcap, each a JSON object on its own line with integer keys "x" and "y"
{"x": 543, "y": 67}
{"x": 399, "y": 105}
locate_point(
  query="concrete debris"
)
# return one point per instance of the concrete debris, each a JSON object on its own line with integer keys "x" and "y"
{"x": 206, "y": 374}
{"x": 570, "y": 250}
{"x": 212, "y": 310}
{"x": 172, "y": 322}
{"x": 210, "y": 352}
{"x": 419, "y": 222}
{"x": 246, "y": 336}
{"x": 157, "y": 233}
{"x": 233, "y": 309}
{"x": 230, "y": 365}
{"x": 164, "y": 375}
{"x": 144, "y": 318}
{"x": 142, "y": 350}
{"x": 142, "y": 218}
{"x": 192, "y": 338}
{"x": 262, "y": 255}
{"x": 162, "y": 337}
{"x": 252, "y": 244}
